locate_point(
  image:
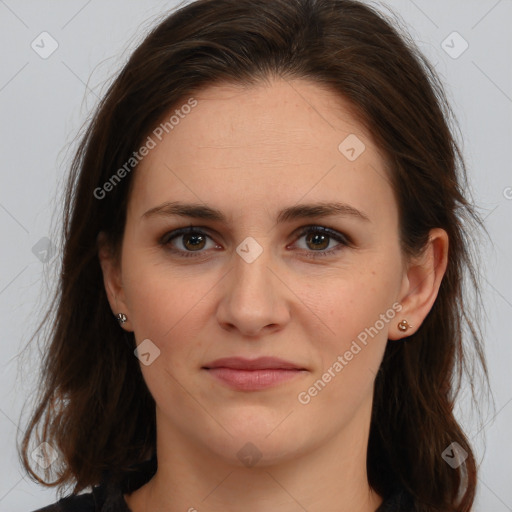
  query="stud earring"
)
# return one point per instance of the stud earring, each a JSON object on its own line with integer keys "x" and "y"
{"x": 404, "y": 325}
{"x": 121, "y": 318}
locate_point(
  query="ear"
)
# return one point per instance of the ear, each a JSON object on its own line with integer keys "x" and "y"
{"x": 421, "y": 282}
{"x": 112, "y": 281}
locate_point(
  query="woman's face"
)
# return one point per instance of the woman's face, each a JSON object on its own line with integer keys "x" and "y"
{"x": 259, "y": 170}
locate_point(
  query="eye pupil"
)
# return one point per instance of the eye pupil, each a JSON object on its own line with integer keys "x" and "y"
{"x": 197, "y": 240}
{"x": 318, "y": 237}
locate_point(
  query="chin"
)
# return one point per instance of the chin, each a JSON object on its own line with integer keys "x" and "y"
{"x": 260, "y": 442}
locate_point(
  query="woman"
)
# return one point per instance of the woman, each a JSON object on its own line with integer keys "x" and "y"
{"x": 261, "y": 298}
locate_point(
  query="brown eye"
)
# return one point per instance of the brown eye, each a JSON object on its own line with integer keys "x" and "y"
{"x": 187, "y": 242}
{"x": 319, "y": 238}
{"x": 193, "y": 241}
{"x": 319, "y": 241}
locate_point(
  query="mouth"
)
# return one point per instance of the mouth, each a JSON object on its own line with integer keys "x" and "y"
{"x": 253, "y": 374}
{"x": 261, "y": 363}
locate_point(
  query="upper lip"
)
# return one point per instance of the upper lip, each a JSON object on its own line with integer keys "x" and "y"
{"x": 261, "y": 363}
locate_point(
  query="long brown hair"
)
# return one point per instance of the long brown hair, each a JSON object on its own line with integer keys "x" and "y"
{"x": 93, "y": 403}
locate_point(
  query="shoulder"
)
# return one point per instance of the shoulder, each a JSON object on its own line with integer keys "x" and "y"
{"x": 88, "y": 502}
{"x": 109, "y": 495}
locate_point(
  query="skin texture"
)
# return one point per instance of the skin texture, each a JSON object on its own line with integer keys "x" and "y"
{"x": 249, "y": 152}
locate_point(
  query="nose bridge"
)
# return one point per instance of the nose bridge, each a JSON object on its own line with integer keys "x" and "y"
{"x": 252, "y": 297}
{"x": 252, "y": 278}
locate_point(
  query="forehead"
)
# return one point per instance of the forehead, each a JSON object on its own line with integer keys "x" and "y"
{"x": 277, "y": 141}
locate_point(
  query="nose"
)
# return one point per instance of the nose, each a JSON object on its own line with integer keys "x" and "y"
{"x": 254, "y": 297}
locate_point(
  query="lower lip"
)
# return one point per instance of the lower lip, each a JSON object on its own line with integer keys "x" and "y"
{"x": 253, "y": 380}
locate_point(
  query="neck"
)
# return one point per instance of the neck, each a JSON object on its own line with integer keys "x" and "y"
{"x": 192, "y": 477}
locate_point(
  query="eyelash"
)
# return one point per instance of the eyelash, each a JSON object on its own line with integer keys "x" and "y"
{"x": 343, "y": 240}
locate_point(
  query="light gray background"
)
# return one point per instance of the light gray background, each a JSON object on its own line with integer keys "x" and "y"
{"x": 44, "y": 102}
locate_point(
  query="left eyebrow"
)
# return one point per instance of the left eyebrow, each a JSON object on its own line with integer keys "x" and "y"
{"x": 313, "y": 210}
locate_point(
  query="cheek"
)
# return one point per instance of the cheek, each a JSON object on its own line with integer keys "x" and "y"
{"x": 357, "y": 309}
{"x": 165, "y": 304}
{"x": 357, "y": 298}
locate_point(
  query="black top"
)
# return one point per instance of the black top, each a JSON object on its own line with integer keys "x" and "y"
{"x": 109, "y": 498}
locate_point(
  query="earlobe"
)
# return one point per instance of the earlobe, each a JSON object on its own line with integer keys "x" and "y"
{"x": 421, "y": 283}
{"x": 112, "y": 280}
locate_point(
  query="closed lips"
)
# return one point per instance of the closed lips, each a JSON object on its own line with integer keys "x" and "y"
{"x": 262, "y": 363}
{"x": 252, "y": 375}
